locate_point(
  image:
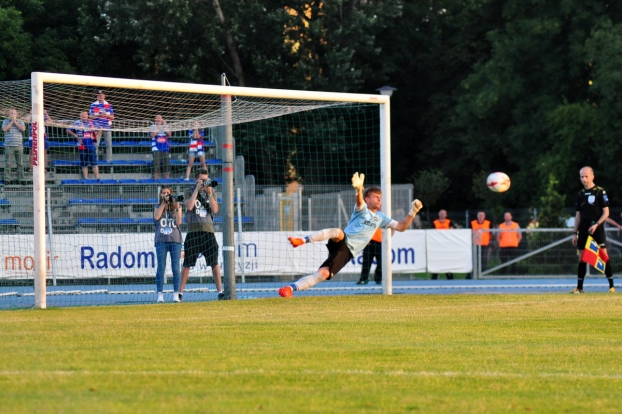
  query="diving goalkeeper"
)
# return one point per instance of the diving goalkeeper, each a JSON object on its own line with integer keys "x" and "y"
{"x": 343, "y": 245}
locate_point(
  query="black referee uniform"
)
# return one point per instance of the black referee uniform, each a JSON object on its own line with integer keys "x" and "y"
{"x": 590, "y": 205}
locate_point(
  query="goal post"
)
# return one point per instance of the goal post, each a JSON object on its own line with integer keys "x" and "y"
{"x": 224, "y": 117}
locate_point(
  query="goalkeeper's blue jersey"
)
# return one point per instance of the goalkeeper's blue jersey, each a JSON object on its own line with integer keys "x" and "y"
{"x": 362, "y": 226}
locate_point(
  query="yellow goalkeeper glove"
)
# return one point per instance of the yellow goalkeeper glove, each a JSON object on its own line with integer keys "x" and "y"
{"x": 357, "y": 181}
{"x": 415, "y": 206}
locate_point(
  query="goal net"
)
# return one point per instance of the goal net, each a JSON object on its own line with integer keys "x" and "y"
{"x": 78, "y": 224}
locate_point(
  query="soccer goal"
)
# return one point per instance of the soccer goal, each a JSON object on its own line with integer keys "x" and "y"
{"x": 81, "y": 231}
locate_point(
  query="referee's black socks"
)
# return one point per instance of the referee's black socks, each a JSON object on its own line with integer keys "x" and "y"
{"x": 609, "y": 273}
{"x": 581, "y": 271}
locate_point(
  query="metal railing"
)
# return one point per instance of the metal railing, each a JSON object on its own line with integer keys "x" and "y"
{"x": 541, "y": 253}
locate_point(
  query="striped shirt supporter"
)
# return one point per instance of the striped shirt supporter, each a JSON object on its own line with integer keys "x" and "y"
{"x": 85, "y": 130}
{"x": 98, "y": 108}
{"x": 160, "y": 142}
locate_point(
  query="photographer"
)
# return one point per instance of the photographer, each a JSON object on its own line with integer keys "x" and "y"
{"x": 200, "y": 205}
{"x": 167, "y": 218}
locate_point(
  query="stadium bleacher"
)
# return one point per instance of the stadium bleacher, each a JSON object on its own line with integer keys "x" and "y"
{"x": 121, "y": 200}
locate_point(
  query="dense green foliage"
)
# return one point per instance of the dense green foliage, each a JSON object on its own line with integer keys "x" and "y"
{"x": 531, "y": 88}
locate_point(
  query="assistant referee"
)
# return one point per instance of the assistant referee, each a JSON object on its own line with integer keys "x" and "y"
{"x": 592, "y": 210}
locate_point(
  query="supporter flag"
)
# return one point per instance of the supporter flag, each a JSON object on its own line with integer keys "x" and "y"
{"x": 593, "y": 256}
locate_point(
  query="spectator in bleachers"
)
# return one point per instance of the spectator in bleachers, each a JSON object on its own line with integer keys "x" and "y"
{"x": 102, "y": 114}
{"x": 160, "y": 147}
{"x": 87, "y": 134}
{"x": 167, "y": 218}
{"x": 46, "y": 119}
{"x": 196, "y": 149}
{"x": 13, "y": 146}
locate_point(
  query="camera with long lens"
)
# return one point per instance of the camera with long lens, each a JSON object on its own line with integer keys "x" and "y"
{"x": 172, "y": 197}
{"x": 210, "y": 183}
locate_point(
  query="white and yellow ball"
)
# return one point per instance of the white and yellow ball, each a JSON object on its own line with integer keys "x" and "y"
{"x": 498, "y": 182}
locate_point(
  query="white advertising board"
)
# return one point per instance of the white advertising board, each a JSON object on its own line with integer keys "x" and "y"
{"x": 261, "y": 253}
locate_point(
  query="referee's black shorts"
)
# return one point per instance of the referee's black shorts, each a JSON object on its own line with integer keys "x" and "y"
{"x": 338, "y": 256}
{"x": 599, "y": 237}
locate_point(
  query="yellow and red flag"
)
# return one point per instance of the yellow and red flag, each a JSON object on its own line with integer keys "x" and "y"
{"x": 594, "y": 256}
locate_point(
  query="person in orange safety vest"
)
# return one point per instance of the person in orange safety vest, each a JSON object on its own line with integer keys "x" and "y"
{"x": 509, "y": 239}
{"x": 443, "y": 223}
{"x": 481, "y": 237}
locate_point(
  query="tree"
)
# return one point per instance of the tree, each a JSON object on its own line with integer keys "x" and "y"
{"x": 429, "y": 185}
{"x": 14, "y": 45}
{"x": 552, "y": 206}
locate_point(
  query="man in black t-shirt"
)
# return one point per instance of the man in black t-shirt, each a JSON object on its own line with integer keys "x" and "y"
{"x": 592, "y": 210}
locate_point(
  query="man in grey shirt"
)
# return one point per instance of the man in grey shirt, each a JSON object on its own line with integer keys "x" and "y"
{"x": 13, "y": 146}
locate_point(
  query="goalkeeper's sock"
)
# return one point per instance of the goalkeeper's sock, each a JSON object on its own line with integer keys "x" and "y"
{"x": 323, "y": 235}
{"x": 308, "y": 281}
{"x": 581, "y": 270}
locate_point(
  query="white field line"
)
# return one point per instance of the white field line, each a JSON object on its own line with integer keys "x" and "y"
{"x": 357, "y": 372}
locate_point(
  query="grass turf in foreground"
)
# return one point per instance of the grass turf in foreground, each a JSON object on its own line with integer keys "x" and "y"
{"x": 411, "y": 353}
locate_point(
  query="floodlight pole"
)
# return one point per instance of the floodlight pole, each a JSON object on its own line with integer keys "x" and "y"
{"x": 38, "y": 168}
{"x": 228, "y": 242}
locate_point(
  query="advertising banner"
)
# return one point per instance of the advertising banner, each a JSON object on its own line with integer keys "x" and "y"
{"x": 260, "y": 253}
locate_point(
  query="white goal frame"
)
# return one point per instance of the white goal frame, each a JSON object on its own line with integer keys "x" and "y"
{"x": 38, "y": 79}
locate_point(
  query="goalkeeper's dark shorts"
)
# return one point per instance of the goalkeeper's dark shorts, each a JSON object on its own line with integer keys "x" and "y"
{"x": 599, "y": 237}
{"x": 338, "y": 256}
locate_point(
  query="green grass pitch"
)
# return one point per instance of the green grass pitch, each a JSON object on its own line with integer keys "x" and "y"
{"x": 363, "y": 354}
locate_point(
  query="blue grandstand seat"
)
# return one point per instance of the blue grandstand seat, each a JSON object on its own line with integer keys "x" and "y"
{"x": 4, "y": 202}
{"x": 117, "y": 201}
{"x": 86, "y": 221}
{"x": 168, "y": 180}
{"x": 89, "y": 181}
{"x": 144, "y": 220}
{"x": 127, "y": 181}
{"x": 107, "y": 221}
{"x": 119, "y": 162}
{"x": 62, "y": 143}
{"x": 126, "y": 221}
{"x": 61, "y": 163}
{"x": 98, "y": 201}
{"x": 136, "y": 201}
{"x": 147, "y": 181}
{"x": 213, "y": 161}
{"x": 245, "y": 220}
{"x": 108, "y": 181}
{"x": 70, "y": 182}
{"x": 9, "y": 222}
{"x": 235, "y": 200}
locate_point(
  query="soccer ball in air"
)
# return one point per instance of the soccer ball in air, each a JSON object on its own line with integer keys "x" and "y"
{"x": 498, "y": 182}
